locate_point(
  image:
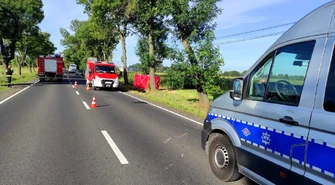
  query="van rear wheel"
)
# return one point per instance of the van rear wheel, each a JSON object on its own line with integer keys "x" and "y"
{"x": 222, "y": 158}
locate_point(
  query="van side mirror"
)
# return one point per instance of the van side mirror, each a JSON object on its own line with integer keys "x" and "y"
{"x": 237, "y": 89}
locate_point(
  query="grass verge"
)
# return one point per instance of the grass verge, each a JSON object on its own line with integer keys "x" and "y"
{"x": 184, "y": 100}
{"x": 25, "y": 76}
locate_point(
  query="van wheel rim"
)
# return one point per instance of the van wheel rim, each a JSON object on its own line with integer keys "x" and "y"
{"x": 221, "y": 157}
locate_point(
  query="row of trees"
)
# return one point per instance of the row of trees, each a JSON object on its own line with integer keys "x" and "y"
{"x": 20, "y": 36}
{"x": 189, "y": 23}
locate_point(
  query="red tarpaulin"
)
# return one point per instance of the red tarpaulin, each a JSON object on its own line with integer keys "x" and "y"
{"x": 142, "y": 81}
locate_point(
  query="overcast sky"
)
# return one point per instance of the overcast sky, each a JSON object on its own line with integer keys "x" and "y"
{"x": 238, "y": 16}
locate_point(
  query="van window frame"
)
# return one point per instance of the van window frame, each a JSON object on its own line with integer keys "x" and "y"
{"x": 332, "y": 61}
{"x": 262, "y": 62}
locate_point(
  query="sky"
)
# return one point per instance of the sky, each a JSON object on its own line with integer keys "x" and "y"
{"x": 237, "y": 16}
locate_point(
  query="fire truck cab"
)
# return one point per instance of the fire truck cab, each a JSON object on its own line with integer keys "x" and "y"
{"x": 101, "y": 74}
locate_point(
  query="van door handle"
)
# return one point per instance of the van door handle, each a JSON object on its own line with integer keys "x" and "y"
{"x": 288, "y": 120}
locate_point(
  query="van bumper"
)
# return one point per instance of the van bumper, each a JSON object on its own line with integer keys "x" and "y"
{"x": 205, "y": 132}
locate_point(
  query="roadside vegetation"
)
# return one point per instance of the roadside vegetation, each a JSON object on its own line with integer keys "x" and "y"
{"x": 26, "y": 76}
{"x": 21, "y": 40}
{"x": 179, "y": 92}
{"x": 179, "y": 31}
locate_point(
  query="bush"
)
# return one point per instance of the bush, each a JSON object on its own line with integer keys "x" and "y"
{"x": 175, "y": 80}
{"x": 224, "y": 83}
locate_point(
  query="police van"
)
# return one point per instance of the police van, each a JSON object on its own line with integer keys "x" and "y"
{"x": 277, "y": 123}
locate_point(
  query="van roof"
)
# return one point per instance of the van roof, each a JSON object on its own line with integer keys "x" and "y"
{"x": 317, "y": 22}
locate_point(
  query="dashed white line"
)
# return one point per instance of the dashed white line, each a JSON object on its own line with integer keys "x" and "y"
{"x": 3, "y": 101}
{"x": 162, "y": 108}
{"x": 72, "y": 86}
{"x": 85, "y": 104}
{"x": 116, "y": 150}
{"x": 77, "y": 92}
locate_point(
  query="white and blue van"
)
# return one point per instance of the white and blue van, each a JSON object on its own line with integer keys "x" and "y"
{"x": 277, "y": 123}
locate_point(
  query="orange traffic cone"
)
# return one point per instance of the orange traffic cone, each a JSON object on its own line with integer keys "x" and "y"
{"x": 87, "y": 87}
{"x": 93, "y": 105}
{"x": 75, "y": 84}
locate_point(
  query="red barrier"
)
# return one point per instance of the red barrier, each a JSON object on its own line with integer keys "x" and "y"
{"x": 142, "y": 81}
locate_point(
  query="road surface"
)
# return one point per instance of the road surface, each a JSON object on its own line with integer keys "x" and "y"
{"x": 49, "y": 135}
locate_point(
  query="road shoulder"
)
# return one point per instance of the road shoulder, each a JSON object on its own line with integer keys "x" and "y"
{"x": 14, "y": 89}
{"x": 193, "y": 117}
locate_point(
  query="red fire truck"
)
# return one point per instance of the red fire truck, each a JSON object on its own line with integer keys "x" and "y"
{"x": 50, "y": 67}
{"x": 101, "y": 74}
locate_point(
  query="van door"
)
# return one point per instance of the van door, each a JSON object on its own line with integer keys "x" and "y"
{"x": 320, "y": 164}
{"x": 272, "y": 119}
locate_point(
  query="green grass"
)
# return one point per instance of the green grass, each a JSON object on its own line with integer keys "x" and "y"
{"x": 26, "y": 76}
{"x": 183, "y": 100}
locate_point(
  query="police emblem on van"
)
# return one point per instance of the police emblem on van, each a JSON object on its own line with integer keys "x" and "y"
{"x": 266, "y": 138}
{"x": 246, "y": 132}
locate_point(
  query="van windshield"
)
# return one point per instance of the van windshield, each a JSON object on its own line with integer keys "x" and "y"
{"x": 105, "y": 69}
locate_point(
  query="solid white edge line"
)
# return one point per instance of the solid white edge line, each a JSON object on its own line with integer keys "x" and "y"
{"x": 77, "y": 92}
{"x": 85, "y": 104}
{"x": 116, "y": 150}
{"x": 3, "y": 101}
{"x": 163, "y": 108}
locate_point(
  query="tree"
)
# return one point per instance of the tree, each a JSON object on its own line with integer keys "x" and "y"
{"x": 244, "y": 72}
{"x": 231, "y": 73}
{"x": 31, "y": 46}
{"x": 114, "y": 14}
{"x": 88, "y": 40}
{"x": 17, "y": 18}
{"x": 192, "y": 21}
{"x": 135, "y": 67}
{"x": 148, "y": 19}
{"x": 162, "y": 51}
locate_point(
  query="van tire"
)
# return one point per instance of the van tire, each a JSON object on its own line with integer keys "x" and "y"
{"x": 225, "y": 169}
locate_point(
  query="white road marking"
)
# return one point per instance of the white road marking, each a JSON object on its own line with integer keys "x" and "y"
{"x": 116, "y": 150}
{"x": 3, "y": 101}
{"x": 162, "y": 108}
{"x": 72, "y": 86}
{"x": 77, "y": 92}
{"x": 85, "y": 104}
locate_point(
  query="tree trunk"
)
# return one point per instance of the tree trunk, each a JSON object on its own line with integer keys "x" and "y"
{"x": 203, "y": 96}
{"x": 124, "y": 55}
{"x": 203, "y": 99}
{"x": 19, "y": 65}
{"x": 30, "y": 69}
{"x": 152, "y": 63}
{"x": 33, "y": 65}
{"x": 6, "y": 62}
{"x": 29, "y": 66}
{"x": 124, "y": 59}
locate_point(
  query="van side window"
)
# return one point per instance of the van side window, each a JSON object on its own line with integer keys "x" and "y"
{"x": 258, "y": 79}
{"x": 329, "y": 101}
{"x": 284, "y": 83}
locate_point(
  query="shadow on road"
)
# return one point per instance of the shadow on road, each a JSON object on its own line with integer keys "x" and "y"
{"x": 139, "y": 102}
{"x": 103, "y": 105}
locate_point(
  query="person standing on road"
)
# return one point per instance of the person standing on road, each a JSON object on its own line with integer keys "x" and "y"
{"x": 9, "y": 73}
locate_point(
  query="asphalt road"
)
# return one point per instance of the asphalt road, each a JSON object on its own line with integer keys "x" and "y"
{"x": 48, "y": 136}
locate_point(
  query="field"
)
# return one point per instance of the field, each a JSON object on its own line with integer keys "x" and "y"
{"x": 16, "y": 78}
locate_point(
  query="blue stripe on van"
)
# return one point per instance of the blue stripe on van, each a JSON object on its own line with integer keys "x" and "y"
{"x": 280, "y": 142}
